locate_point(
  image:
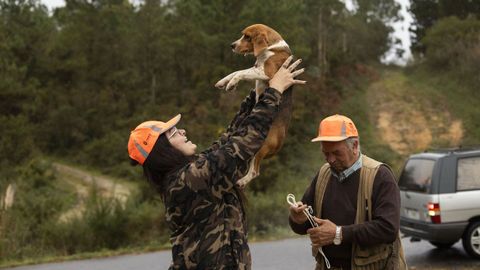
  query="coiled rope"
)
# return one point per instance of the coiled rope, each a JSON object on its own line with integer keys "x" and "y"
{"x": 308, "y": 212}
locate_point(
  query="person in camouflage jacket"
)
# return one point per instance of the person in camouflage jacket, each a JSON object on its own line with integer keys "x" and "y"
{"x": 204, "y": 207}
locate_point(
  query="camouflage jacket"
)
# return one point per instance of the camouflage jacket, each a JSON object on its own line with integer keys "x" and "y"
{"x": 203, "y": 207}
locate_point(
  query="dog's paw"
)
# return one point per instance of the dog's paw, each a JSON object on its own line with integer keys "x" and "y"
{"x": 242, "y": 183}
{"x": 221, "y": 84}
{"x": 244, "y": 180}
{"x": 232, "y": 85}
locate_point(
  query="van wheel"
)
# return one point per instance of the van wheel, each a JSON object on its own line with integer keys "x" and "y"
{"x": 471, "y": 240}
{"x": 442, "y": 245}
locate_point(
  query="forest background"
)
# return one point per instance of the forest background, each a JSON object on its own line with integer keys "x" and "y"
{"x": 75, "y": 81}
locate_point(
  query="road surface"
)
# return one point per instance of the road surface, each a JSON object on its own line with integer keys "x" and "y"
{"x": 288, "y": 254}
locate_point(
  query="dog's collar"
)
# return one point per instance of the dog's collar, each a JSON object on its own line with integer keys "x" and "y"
{"x": 280, "y": 45}
{"x": 262, "y": 57}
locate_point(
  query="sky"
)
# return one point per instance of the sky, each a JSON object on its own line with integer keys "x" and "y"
{"x": 53, "y": 3}
{"x": 401, "y": 30}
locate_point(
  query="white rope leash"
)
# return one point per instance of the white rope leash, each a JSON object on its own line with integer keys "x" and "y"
{"x": 308, "y": 212}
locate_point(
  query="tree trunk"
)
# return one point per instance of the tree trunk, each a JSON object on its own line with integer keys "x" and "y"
{"x": 322, "y": 46}
{"x": 153, "y": 87}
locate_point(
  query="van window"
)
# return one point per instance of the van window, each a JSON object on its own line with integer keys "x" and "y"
{"x": 417, "y": 175}
{"x": 468, "y": 173}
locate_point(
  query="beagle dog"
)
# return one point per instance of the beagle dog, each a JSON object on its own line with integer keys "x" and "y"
{"x": 271, "y": 51}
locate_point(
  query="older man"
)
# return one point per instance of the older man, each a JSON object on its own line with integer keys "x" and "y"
{"x": 356, "y": 203}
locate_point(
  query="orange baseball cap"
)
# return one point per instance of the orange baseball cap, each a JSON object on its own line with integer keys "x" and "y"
{"x": 336, "y": 128}
{"x": 144, "y": 136}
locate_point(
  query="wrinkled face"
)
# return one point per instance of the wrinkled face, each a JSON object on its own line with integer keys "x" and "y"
{"x": 255, "y": 39}
{"x": 178, "y": 139}
{"x": 339, "y": 155}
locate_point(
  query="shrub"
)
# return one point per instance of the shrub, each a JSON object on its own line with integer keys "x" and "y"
{"x": 37, "y": 202}
{"x": 16, "y": 143}
{"x": 454, "y": 45}
{"x": 107, "y": 153}
{"x": 110, "y": 224}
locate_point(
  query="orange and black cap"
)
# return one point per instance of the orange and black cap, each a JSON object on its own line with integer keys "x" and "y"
{"x": 144, "y": 136}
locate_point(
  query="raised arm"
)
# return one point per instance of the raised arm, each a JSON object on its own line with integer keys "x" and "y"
{"x": 219, "y": 170}
{"x": 245, "y": 109}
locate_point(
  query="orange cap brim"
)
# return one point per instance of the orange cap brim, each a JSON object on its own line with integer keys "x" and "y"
{"x": 329, "y": 139}
{"x": 172, "y": 122}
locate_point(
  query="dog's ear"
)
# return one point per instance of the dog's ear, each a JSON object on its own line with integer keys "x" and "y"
{"x": 260, "y": 43}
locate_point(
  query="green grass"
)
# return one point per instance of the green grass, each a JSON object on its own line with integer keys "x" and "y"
{"x": 451, "y": 94}
{"x": 440, "y": 99}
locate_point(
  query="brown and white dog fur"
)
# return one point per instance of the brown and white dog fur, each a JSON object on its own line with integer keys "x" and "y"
{"x": 271, "y": 51}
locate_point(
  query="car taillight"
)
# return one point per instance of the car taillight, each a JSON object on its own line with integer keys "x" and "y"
{"x": 434, "y": 212}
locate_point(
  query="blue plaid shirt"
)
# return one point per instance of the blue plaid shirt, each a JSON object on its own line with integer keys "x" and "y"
{"x": 341, "y": 176}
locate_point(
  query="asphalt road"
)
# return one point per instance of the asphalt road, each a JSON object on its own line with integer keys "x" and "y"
{"x": 289, "y": 254}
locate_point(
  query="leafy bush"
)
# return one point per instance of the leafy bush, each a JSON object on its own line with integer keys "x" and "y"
{"x": 109, "y": 224}
{"x": 63, "y": 131}
{"x": 37, "y": 202}
{"x": 108, "y": 153}
{"x": 16, "y": 143}
{"x": 35, "y": 229}
{"x": 454, "y": 45}
{"x": 267, "y": 211}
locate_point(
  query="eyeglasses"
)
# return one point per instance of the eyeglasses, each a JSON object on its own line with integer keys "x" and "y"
{"x": 174, "y": 130}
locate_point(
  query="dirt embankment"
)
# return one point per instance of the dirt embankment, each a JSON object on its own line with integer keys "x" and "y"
{"x": 83, "y": 182}
{"x": 408, "y": 122}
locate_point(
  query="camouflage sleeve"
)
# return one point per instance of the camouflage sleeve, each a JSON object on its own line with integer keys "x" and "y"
{"x": 245, "y": 109}
{"x": 218, "y": 171}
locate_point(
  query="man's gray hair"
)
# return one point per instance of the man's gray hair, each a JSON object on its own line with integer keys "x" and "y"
{"x": 350, "y": 141}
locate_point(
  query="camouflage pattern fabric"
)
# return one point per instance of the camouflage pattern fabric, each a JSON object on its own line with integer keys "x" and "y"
{"x": 203, "y": 207}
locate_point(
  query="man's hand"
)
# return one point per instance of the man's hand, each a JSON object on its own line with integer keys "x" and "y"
{"x": 322, "y": 235}
{"x": 296, "y": 213}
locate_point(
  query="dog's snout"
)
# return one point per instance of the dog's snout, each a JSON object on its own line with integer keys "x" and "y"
{"x": 233, "y": 45}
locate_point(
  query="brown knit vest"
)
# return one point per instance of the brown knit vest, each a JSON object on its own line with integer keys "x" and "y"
{"x": 382, "y": 256}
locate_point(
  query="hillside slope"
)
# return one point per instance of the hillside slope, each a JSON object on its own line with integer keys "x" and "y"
{"x": 83, "y": 182}
{"x": 408, "y": 120}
